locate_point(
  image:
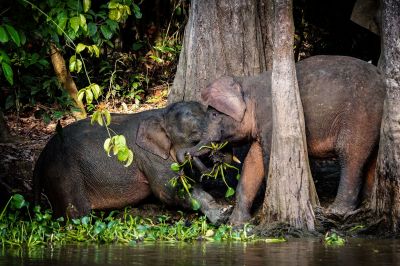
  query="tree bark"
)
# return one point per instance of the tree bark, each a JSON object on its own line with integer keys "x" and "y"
{"x": 385, "y": 199}
{"x": 64, "y": 77}
{"x": 290, "y": 196}
{"x": 222, "y": 37}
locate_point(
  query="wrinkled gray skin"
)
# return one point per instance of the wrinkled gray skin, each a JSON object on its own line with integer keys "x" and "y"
{"x": 77, "y": 176}
{"x": 342, "y": 99}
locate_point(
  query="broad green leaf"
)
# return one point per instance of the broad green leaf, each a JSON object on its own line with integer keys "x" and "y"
{"x": 89, "y": 96}
{"x": 229, "y": 192}
{"x": 108, "y": 117}
{"x": 120, "y": 140}
{"x": 8, "y": 72}
{"x": 3, "y": 35}
{"x": 115, "y": 14}
{"x": 74, "y": 23}
{"x": 4, "y": 57}
{"x": 107, "y": 146}
{"x": 81, "y": 93}
{"x": 85, "y": 220}
{"x": 62, "y": 19}
{"x": 18, "y": 201}
{"x": 123, "y": 154}
{"x": 100, "y": 119}
{"x": 94, "y": 117}
{"x": 78, "y": 65}
{"x": 95, "y": 89}
{"x": 130, "y": 158}
{"x": 92, "y": 28}
{"x": 82, "y": 20}
{"x": 13, "y": 34}
{"x": 175, "y": 167}
{"x": 113, "y": 4}
{"x": 195, "y": 204}
{"x": 72, "y": 63}
{"x": 105, "y": 30}
{"x": 96, "y": 50}
{"x": 80, "y": 47}
{"x": 86, "y": 5}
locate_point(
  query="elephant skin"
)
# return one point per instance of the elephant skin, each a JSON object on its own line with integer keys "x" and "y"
{"x": 342, "y": 99}
{"x": 77, "y": 176}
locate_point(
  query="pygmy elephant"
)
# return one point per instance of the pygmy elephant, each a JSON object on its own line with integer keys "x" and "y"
{"x": 77, "y": 175}
{"x": 342, "y": 99}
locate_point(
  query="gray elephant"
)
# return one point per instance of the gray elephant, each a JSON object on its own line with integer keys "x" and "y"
{"x": 77, "y": 176}
{"x": 342, "y": 99}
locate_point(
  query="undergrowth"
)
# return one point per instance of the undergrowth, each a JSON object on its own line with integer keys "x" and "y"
{"x": 28, "y": 227}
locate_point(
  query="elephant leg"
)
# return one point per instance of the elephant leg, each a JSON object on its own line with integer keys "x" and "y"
{"x": 249, "y": 184}
{"x": 215, "y": 212}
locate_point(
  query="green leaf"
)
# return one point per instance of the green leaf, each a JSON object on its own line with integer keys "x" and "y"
{"x": 14, "y": 34}
{"x": 100, "y": 120}
{"x": 113, "y": 4}
{"x": 92, "y": 29}
{"x": 82, "y": 22}
{"x": 81, "y": 93}
{"x": 74, "y": 23}
{"x": 62, "y": 19}
{"x": 4, "y": 57}
{"x": 229, "y": 192}
{"x": 120, "y": 140}
{"x": 130, "y": 158}
{"x": 107, "y": 146}
{"x": 115, "y": 14}
{"x": 95, "y": 89}
{"x": 8, "y": 73}
{"x": 18, "y": 201}
{"x": 86, "y": 5}
{"x": 85, "y": 220}
{"x": 80, "y": 47}
{"x": 89, "y": 96}
{"x": 96, "y": 50}
{"x": 108, "y": 117}
{"x": 137, "y": 12}
{"x": 175, "y": 167}
{"x": 3, "y": 35}
{"x": 123, "y": 154}
{"x": 195, "y": 204}
{"x": 238, "y": 176}
{"x": 105, "y": 30}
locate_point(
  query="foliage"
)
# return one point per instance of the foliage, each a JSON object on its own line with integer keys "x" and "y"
{"x": 220, "y": 167}
{"x": 333, "y": 239}
{"x": 21, "y": 227}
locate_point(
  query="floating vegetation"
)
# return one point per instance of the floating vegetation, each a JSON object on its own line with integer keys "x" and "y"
{"x": 25, "y": 227}
{"x": 333, "y": 239}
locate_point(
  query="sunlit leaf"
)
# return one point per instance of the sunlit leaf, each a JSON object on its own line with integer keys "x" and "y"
{"x": 229, "y": 192}
{"x": 74, "y": 23}
{"x": 80, "y": 47}
{"x": 195, "y": 204}
{"x": 78, "y": 65}
{"x": 175, "y": 167}
{"x": 89, "y": 96}
{"x": 123, "y": 154}
{"x": 108, "y": 117}
{"x": 62, "y": 19}
{"x": 107, "y": 146}
{"x": 86, "y": 5}
{"x": 81, "y": 93}
{"x": 130, "y": 158}
{"x": 95, "y": 116}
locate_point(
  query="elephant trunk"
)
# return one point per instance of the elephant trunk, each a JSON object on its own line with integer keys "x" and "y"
{"x": 194, "y": 153}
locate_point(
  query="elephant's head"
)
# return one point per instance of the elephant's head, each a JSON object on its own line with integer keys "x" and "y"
{"x": 228, "y": 116}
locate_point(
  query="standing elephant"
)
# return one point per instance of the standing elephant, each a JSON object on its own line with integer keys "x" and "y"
{"x": 342, "y": 99}
{"x": 77, "y": 175}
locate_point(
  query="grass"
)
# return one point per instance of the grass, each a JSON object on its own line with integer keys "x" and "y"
{"x": 20, "y": 226}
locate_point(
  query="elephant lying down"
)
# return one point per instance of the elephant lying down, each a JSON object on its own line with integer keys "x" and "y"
{"x": 77, "y": 176}
{"x": 342, "y": 99}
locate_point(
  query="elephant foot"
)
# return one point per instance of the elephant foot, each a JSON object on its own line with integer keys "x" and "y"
{"x": 239, "y": 218}
{"x": 219, "y": 215}
{"x": 340, "y": 209}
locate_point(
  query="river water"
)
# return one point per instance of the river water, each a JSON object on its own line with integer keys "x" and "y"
{"x": 363, "y": 252}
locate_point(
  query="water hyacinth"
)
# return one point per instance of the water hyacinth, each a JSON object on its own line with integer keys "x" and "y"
{"x": 21, "y": 226}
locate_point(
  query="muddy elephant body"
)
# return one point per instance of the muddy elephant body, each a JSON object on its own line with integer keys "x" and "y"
{"x": 342, "y": 99}
{"x": 77, "y": 175}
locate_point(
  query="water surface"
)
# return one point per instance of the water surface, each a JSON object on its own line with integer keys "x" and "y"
{"x": 294, "y": 252}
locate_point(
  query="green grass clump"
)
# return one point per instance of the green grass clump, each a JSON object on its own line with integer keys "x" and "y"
{"x": 333, "y": 239}
{"x": 20, "y": 226}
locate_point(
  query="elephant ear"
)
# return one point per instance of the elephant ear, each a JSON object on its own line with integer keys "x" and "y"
{"x": 151, "y": 136}
{"x": 225, "y": 95}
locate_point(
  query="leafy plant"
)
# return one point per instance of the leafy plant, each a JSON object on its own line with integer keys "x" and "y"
{"x": 333, "y": 239}
{"x": 219, "y": 167}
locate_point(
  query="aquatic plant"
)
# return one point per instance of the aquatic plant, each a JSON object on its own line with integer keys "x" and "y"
{"x": 333, "y": 239}
{"x": 25, "y": 227}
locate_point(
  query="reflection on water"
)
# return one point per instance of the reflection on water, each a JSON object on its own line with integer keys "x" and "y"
{"x": 294, "y": 252}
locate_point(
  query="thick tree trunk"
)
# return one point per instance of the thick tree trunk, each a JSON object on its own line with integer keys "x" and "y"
{"x": 290, "y": 196}
{"x": 64, "y": 77}
{"x": 222, "y": 37}
{"x": 385, "y": 199}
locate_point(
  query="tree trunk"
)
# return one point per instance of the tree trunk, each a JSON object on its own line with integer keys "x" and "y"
{"x": 64, "y": 77}
{"x": 290, "y": 196}
{"x": 385, "y": 199}
{"x": 222, "y": 37}
{"x": 5, "y": 135}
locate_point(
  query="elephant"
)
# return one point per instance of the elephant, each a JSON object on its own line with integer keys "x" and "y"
{"x": 77, "y": 176}
{"x": 342, "y": 100}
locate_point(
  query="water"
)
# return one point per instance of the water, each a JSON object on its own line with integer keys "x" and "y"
{"x": 294, "y": 252}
